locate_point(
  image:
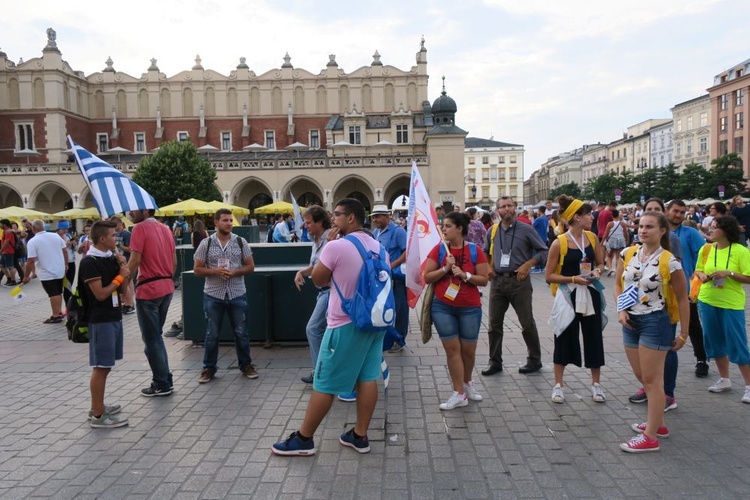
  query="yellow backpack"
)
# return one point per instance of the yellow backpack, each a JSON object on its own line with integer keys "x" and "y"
{"x": 564, "y": 251}
{"x": 493, "y": 232}
{"x": 666, "y": 276}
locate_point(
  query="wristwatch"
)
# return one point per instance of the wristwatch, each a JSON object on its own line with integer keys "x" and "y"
{"x": 468, "y": 277}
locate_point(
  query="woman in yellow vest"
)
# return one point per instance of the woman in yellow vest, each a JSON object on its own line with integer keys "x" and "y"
{"x": 650, "y": 286}
{"x": 721, "y": 302}
{"x": 575, "y": 261}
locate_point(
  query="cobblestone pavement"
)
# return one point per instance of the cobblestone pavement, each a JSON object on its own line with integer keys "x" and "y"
{"x": 213, "y": 440}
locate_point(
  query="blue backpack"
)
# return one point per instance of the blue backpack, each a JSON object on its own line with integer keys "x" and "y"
{"x": 472, "y": 253}
{"x": 373, "y": 307}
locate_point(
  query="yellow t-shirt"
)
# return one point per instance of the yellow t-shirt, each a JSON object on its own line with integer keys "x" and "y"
{"x": 731, "y": 295}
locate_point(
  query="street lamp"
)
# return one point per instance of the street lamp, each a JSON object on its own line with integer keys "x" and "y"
{"x": 721, "y": 192}
{"x": 642, "y": 166}
{"x": 473, "y": 190}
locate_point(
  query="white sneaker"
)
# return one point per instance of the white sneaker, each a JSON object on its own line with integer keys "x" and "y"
{"x": 558, "y": 396}
{"x": 721, "y": 385}
{"x": 746, "y": 397}
{"x": 456, "y": 400}
{"x": 597, "y": 392}
{"x": 470, "y": 389}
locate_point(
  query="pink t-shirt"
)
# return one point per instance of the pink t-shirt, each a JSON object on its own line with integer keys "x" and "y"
{"x": 342, "y": 257}
{"x": 155, "y": 242}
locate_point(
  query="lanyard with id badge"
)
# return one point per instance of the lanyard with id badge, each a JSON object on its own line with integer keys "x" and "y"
{"x": 453, "y": 288}
{"x": 505, "y": 257}
{"x": 585, "y": 264}
{"x": 719, "y": 282}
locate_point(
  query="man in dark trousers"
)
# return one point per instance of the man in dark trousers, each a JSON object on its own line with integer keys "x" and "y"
{"x": 513, "y": 249}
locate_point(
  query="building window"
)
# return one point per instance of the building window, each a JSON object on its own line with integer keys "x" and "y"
{"x": 690, "y": 123}
{"x": 471, "y": 160}
{"x": 724, "y": 101}
{"x": 102, "y": 143}
{"x": 226, "y": 141}
{"x": 485, "y": 174}
{"x": 183, "y": 136}
{"x": 140, "y": 142}
{"x": 512, "y": 173}
{"x": 485, "y": 160}
{"x": 270, "y": 139}
{"x": 739, "y": 144}
{"x": 402, "y": 134}
{"x": 501, "y": 159}
{"x": 355, "y": 136}
{"x": 703, "y": 144}
{"x": 678, "y": 125}
{"x": 678, "y": 148}
{"x": 25, "y": 136}
{"x": 493, "y": 174}
{"x": 472, "y": 175}
{"x": 740, "y": 97}
{"x": 723, "y": 147}
{"x": 704, "y": 119}
{"x": 502, "y": 174}
{"x": 513, "y": 159}
{"x": 723, "y": 124}
{"x": 485, "y": 192}
{"x": 689, "y": 147}
{"x": 739, "y": 120}
{"x": 315, "y": 139}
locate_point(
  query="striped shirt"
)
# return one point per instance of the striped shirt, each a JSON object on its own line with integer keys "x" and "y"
{"x": 317, "y": 247}
{"x": 217, "y": 286}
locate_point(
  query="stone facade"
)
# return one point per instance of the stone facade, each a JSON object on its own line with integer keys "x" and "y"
{"x": 359, "y": 131}
{"x": 493, "y": 169}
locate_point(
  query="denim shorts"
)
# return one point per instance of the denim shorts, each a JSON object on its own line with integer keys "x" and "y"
{"x": 652, "y": 330}
{"x": 105, "y": 344}
{"x": 451, "y": 321}
{"x": 347, "y": 356}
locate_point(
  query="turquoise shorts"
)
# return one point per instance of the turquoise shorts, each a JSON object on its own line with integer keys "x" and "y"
{"x": 347, "y": 356}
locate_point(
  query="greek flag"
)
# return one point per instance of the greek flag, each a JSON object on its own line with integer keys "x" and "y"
{"x": 627, "y": 298}
{"x": 386, "y": 374}
{"x": 113, "y": 192}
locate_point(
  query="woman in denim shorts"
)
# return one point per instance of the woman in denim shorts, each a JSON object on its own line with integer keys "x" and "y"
{"x": 457, "y": 306}
{"x": 646, "y": 328}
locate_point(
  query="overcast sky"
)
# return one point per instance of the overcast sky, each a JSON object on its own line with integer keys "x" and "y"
{"x": 549, "y": 74}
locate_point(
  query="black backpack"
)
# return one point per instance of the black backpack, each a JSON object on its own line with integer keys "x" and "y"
{"x": 76, "y": 324}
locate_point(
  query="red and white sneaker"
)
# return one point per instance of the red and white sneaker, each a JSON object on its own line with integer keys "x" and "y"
{"x": 640, "y": 444}
{"x": 661, "y": 432}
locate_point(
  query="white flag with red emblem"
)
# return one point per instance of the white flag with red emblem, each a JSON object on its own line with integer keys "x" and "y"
{"x": 424, "y": 235}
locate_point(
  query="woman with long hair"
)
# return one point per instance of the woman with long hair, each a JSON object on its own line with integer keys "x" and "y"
{"x": 199, "y": 233}
{"x": 457, "y": 308}
{"x": 576, "y": 263}
{"x": 650, "y": 284}
{"x": 721, "y": 302}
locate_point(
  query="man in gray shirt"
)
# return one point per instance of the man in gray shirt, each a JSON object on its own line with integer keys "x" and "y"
{"x": 513, "y": 249}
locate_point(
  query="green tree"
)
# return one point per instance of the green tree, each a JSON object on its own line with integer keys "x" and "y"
{"x": 691, "y": 182}
{"x": 629, "y": 186}
{"x": 602, "y": 188}
{"x": 571, "y": 189}
{"x": 726, "y": 171}
{"x": 666, "y": 181}
{"x": 647, "y": 182}
{"x": 177, "y": 172}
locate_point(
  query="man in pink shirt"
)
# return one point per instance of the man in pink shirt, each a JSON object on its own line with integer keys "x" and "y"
{"x": 348, "y": 356}
{"x": 152, "y": 254}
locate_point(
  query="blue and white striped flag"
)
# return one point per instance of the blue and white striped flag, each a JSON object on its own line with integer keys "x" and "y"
{"x": 627, "y": 298}
{"x": 113, "y": 192}
{"x": 297, "y": 217}
{"x": 386, "y": 374}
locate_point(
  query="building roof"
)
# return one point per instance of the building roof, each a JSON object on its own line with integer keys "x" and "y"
{"x": 476, "y": 142}
{"x": 690, "y": 101}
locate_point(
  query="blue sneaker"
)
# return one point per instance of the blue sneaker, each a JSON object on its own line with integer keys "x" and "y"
{"x": 293, "y": 446}
{"x": 349, "y": 397}
{"x": 360, "y": 444}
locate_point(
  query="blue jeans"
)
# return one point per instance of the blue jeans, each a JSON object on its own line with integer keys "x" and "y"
{"x": 316, "y": 325}
{"x": 151, "y": 317}
{"x": 214, "y": 310}
{"x": 451, "y": 322}
{"x": 402, "y": 307}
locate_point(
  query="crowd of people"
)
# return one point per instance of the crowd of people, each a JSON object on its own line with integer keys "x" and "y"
{"x": 659, "y": 255}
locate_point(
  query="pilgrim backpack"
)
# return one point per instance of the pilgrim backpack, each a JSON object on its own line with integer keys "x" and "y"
{"x": 373, "y": 307}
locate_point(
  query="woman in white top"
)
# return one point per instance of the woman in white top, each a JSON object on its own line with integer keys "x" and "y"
{"x": 646, "y": 326}
{"x": 616, "y": 238}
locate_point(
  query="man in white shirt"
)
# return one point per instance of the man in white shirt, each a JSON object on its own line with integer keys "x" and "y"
{"x": 48, "y": 251}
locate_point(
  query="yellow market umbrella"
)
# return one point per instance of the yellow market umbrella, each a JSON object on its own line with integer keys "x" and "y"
{"x": 186, "y": 207}
{"x": 20, "y": 213}
{"x": 234, "y": 208}
{"x": 79, "y": 213}
{"x": 280, "y": 207}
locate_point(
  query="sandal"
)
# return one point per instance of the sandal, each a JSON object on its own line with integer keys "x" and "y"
{"x": 53, "y": 319}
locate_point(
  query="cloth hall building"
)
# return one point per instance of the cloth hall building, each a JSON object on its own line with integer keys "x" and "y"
{"x": 320, "y": 136}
